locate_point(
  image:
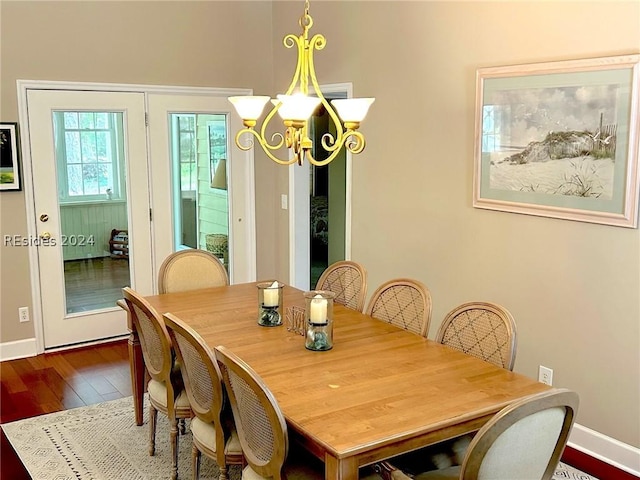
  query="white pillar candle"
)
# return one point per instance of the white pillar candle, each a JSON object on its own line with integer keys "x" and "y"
{"x": 271, "y": 295}
{"x": 318, "y": 310}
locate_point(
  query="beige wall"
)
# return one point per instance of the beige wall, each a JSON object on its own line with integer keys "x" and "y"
{"x": 574, "y": 288}
{"x": 204, "y": 44}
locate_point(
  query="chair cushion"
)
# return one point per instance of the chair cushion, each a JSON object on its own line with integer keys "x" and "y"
{"x": 158, "y": 395}
{"x": 205, "y": 434}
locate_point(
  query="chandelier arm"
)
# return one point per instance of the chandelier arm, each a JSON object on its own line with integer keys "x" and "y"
{"x": 329, "y": 143}
{"x": 265, "y": 123}
{"x": 277, "y": 138}
{"x": 318, "y": 42}
{"x": 354, "y": 141}
{"x": 266, "y": 147}
{"x": 354, "y": 145}
{"x": 290, "y": 41}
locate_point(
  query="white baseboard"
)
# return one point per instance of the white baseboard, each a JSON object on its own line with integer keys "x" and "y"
{"x": 607, "y": 449}
{"x": 18, "y": 349}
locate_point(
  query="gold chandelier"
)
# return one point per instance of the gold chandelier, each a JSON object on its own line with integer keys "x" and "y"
{"x": 296, "y": 106}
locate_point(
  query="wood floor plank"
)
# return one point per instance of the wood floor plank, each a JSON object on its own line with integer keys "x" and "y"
{"x": 11, "y": 379}
{"x": 58, "y": 381}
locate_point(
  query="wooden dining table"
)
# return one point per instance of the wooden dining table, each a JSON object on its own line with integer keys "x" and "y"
{"x": 379, "y": 392}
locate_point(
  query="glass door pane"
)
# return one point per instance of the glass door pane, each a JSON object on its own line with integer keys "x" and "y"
{"x": 92, "y": 200}
{"x": 199, "y": 146}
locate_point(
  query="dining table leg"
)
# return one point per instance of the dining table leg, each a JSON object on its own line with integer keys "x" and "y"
{"x": 136, "y": 365}
{"x": 340, "y": 469}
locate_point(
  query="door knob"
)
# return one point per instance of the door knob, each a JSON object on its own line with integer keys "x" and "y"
{"x": 44, "y": 217}
{"x": 45, "y": 235}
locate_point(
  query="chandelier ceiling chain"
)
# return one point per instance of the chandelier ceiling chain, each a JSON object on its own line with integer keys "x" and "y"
{"x": 296, "y": 106}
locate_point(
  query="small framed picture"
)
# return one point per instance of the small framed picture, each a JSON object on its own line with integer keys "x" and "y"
{"x": 560, "y": 139}
{"x": 9, "y": 157}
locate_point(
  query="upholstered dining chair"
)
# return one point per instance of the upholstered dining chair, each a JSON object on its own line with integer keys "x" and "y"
{"x": 348, "y": 280}
{"x": 190, "y": 270}
{"x": 404, "y": 303}
{"x": 261, "y": 426}
{"x": 212, "y": 428}
{"x": 482, "y": 329}
{"x": 525, "y": 440}
{"x": 166, "y": 394}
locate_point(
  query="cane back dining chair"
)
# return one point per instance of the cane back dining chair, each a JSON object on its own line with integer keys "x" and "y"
{"x": 404, "y": 303}
{"x": 261, "y": 426}
{"x": 482, "y": 329}
{"x": 190, "y": 270}
{"x": 166, "y": 393}
{"x": 525, "y": 440}
{"x": 212, "y": 428}
{"x": 348, "y": 280}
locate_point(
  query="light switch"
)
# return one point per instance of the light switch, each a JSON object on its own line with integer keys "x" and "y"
{"x": 284, "y": 201}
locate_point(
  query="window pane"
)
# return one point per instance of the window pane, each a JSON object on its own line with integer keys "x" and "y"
{"x": 86, "y": 120}
{"x": 102, "y": 120}
{"x": 72, "y": 141}
{"x": 104, "y": 177}
{"x": 74, "y": 179}
{"x": 90, "y": 173}
{"x": 88, "y": 140}
{"x": 102, "y": 139}
{"x": 70, "y": 120}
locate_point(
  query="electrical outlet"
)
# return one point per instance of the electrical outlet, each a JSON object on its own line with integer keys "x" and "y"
{"x": 23, "y": 313}
{"x": 545, "y": 375}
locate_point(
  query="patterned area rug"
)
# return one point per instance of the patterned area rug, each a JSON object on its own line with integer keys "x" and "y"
{"x": 102, "y": 442}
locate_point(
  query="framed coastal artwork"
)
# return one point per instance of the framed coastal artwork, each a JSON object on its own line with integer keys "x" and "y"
{"x": 9, "y": 157}
{"x": 559, "y": 139}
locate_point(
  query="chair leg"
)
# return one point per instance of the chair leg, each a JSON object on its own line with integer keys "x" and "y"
{"x": 153, "y": 415}
{"x": 174, "y": 449}
{"x": 223, "y": 472}
{"x": 195, "y": 458}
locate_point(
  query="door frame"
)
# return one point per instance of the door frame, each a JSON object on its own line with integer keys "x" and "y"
{"x": 299, "y": 205}
{"x": 34, "y": 270}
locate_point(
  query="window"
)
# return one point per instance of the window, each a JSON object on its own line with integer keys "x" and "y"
{"x": 217, "y": 149}
{"x": 89, "y": 151}
{"x": 187, "y": 151}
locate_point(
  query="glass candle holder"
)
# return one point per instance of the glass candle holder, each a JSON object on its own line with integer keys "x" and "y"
{"x": 319, "y": 320}
{"x": 270, "y": 303}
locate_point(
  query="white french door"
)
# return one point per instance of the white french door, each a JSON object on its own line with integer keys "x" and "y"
{"x": 208, "y": 212}
{"x": 108, "y": 199}
{"x": 91, "y": 199}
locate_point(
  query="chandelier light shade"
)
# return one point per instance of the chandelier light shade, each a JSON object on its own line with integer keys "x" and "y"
{"x": 249, "y": 107}
{"x": 296, "y": 106}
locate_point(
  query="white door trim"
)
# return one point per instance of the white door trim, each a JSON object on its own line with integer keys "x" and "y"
{"x": 22, "y": 87}
{"x": 298, "y": 226}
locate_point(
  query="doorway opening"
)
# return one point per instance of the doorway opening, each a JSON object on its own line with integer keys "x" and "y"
{"x": 327, "y": 202}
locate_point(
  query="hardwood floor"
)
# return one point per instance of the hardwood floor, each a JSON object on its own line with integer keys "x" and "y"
{"x": 94, "y": 283}
{"x": 58, "y": 381}
{"x": 82, "y": 376}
